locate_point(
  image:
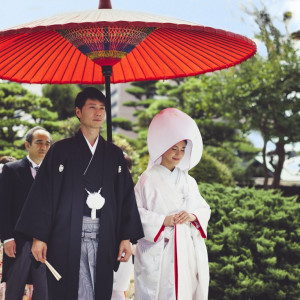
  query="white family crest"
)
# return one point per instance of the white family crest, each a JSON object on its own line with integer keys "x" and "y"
{"x": 61, "y": 168}
{"x": 119, "y": 169}
{"x": 94, "y": 201}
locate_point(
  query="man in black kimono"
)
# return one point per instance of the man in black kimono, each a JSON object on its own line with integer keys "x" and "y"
{"x": 56, "y": 211}
{"x": 16, "y": 180}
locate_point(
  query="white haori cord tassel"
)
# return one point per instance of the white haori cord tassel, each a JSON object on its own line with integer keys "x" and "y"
{"x": 94, "y": 201}
{"x": 53, "y": 271}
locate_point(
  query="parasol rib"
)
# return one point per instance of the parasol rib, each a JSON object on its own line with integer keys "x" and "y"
{"x": 62, "y": 52}
{"x": 146, "y": 62}
{"x": 57, "y": 65}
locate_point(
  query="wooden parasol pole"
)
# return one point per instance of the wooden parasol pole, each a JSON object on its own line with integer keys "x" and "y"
{"x": 107, "y": 71}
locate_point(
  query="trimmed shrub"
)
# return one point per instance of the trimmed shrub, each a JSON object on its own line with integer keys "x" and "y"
{"x": 253, "y": 244}
{"x": 210, "y": 170}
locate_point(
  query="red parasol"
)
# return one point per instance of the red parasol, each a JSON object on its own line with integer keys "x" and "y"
{"x": 108, "y": 45}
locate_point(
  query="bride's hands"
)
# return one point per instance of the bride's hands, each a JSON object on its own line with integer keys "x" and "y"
{"x": 183, "y": 217}
{"x": 179, "y": 218}
{"x": 169, "y": 221}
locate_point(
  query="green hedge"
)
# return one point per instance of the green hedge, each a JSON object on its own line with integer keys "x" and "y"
{"x": 210, "y": 170}
{"x": 253, "y": 244}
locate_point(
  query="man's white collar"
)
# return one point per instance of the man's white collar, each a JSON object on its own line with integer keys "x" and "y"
{"x": 33, "y": 163}
{"x": 92, "y": 148}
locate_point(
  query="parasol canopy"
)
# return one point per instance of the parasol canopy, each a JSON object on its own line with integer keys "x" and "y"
{"x": 108, "y": 45}
{"x": 70, "y": 48}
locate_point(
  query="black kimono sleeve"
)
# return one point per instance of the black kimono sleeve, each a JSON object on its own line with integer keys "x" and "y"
{"x": 130, "y": 222}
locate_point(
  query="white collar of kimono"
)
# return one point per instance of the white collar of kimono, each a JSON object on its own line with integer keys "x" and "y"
{"x": 34, "y": 165}
{"x": 168, "y": 128}
{"x": 167, "y": 171}
{"x": 92, "y": 148}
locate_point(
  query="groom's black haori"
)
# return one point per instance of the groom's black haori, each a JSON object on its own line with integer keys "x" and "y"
{"x": 56, "y": 205}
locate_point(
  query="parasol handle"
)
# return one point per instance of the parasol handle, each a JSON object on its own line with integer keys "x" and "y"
{"x": 107, "y": 72}
{"x": 104, "y": 4}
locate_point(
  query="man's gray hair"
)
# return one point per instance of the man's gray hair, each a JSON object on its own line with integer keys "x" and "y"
{"x": 30, "y": 132}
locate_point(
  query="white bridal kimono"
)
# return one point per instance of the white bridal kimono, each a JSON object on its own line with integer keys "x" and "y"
{"x": 122, "y": 280}
{"x": 171, "y": 262}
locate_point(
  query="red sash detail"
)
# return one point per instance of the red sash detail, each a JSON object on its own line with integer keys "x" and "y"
{"x": 175, "y": 263}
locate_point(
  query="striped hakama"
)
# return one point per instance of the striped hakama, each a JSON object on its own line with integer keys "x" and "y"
{"x": 88, "y": 258}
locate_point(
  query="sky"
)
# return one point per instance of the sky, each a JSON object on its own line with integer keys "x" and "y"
{"x": 223, "y": 14}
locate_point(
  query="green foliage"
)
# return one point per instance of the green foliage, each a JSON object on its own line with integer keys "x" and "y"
{"x": 122, "y": 123}
{"x": 225, "y": 154}
{"x": 173, "y": 90}
{"x": 14, "y": 152}
{"x": 216, "y": 132}
{"x": 145, "y": 116}
{"x": 136, "y": 91}
{"x": 62, "y": 97}
{"x": 136, "y": 150}
{"x": 65, "y": 129}
{"x": 142, "y": 89}
{"x": 21, "y": 110}
{"x": 203, "y": 96}
{"x": 253, "y": 244}
{"x": 143, "y": 103}
{"x": 238, "y": 157}
{"x": 210, "y": 170}
{"x": 265, "y": 91}
{"x": 124, "y": 144}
